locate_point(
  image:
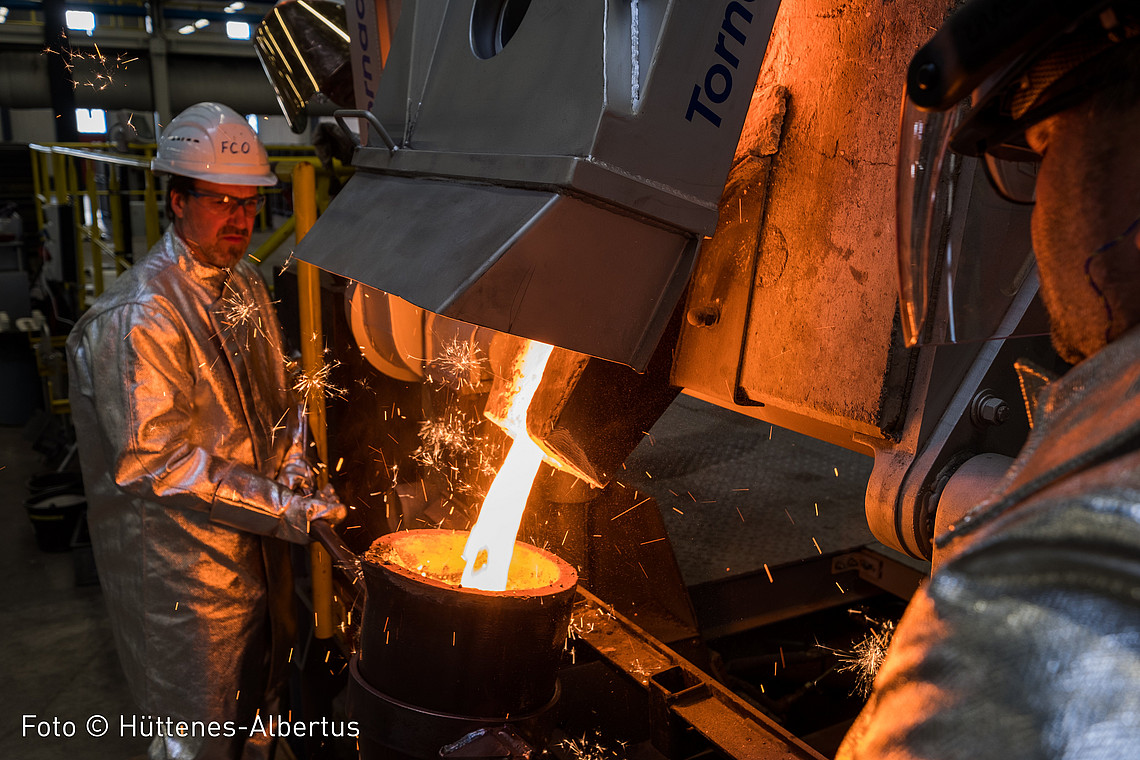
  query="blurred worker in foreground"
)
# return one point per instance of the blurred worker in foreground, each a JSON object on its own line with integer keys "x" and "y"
{"x": 1026, "y": 640}
{"x": 193, "y": 453}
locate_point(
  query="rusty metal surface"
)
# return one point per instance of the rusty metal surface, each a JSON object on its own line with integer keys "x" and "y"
{"x": 819, "y": 340}
{"x": 709, "y": 351}
{"x": 725, "y": 720}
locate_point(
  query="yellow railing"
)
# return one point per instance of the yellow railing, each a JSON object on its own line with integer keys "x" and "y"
{"x": 56, "y": 176}
{"x": 65, "y": 175}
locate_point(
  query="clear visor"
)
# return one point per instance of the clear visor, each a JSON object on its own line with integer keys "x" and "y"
{"x": 964, "y": 246}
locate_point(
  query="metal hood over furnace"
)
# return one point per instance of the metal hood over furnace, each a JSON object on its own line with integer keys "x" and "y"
{"x": 548, "y": 168}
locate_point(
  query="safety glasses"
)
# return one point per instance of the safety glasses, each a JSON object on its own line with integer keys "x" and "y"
{"x": 227, "y": 203}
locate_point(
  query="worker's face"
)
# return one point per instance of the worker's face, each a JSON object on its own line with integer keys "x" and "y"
{"x": 1088, "y": 196}
{"x": 216, "y": 231}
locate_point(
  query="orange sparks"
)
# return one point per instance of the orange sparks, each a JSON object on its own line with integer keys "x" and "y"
{"x": 635, "y": 506}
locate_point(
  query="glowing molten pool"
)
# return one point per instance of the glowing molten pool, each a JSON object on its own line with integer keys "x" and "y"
{"x": 436, "y": 556}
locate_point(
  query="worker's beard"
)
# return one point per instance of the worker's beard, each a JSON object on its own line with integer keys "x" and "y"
{"x": 224, "y": 251}
{"x": 232, "y": 252}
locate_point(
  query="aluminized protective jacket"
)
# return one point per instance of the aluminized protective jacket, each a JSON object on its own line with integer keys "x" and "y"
{"x": 191, "y": 446}
{"x": 1026, "y": 642}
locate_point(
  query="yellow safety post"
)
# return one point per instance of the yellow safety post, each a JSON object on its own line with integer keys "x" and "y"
{"x": 309, "y": 291}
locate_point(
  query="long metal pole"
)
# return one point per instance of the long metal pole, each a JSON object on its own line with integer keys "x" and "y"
{"x": 312, "y": 340}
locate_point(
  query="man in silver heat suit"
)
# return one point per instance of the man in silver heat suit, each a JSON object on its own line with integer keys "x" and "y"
{"x": 193, "y": 453}
{"x": 1025, "y": 642}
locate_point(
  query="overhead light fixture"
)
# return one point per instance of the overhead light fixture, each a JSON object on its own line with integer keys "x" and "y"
{"x": 80, "y": 21}
{"x": 188, "y": 29}
{"x": 201, "y": 23}
{"x": 234, "y": 7}
{"x": 237, "y": 30}
{"x": 3, "y": 14}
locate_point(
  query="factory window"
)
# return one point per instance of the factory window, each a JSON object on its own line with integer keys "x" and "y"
{"x": 91, "y": 121}
{"x": 80, "y": 21}
{"x": 237, "y": 30}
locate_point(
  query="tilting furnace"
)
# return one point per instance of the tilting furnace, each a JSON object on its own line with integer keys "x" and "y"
{"x": 676, "y": 196}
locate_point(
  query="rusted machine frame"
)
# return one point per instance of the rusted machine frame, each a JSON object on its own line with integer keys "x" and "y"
{"x": 679, "y": 693}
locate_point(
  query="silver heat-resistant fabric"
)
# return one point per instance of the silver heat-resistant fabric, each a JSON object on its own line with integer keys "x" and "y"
{"x": 191, "y": 447}
{"x": 1025, "y": 643}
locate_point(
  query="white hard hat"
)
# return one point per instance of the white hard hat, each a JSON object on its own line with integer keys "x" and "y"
{"x": 212, "y": 142}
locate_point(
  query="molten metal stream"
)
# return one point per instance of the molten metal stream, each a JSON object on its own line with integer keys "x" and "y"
{"x": 492, "y": 541}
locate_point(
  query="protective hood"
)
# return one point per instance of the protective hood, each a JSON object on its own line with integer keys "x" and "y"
{"x": 548, "y": 168}
{"x": 304, "y": 49}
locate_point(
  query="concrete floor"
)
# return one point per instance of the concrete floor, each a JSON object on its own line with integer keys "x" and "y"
{"x": 56, "y": 649}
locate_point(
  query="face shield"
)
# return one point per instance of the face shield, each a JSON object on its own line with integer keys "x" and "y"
{"x": 966, "y": 176}
{"x": 954, "y": 278}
